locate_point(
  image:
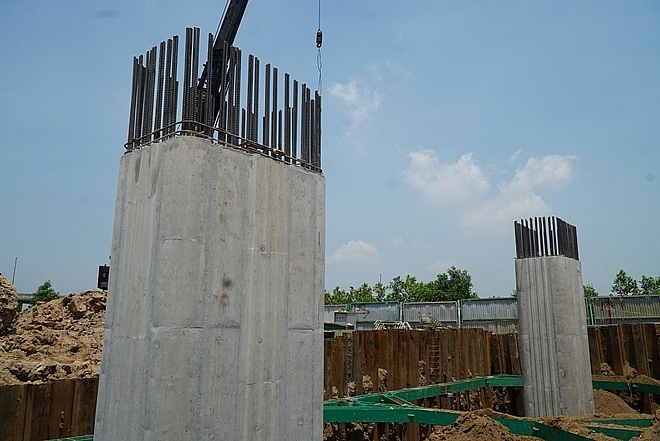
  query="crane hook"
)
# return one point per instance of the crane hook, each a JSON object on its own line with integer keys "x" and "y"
{"x": 319, "y": 38}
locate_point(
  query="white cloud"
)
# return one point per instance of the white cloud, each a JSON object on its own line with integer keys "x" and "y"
{"x": 498, "y": 214}
{"x": 355, "y": 251}
{"x": 444, "y": 182}
{"x": 552, "y": 171}
{"x": 519, "y": 198}
{"x": 361, "y": 101}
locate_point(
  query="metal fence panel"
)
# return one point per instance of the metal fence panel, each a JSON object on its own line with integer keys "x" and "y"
{"x": 371, "y": 312}
{"x": 612, "y": 310}
{"x": 429, "y": 313}
{"x": 505, "y": 308}
{"x": 329, "y": 312}
{"x": 364, "y": 326}
{"x": 495, "y": 326}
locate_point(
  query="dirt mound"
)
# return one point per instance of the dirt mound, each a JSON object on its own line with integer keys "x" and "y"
{"x": 653, "y": 432}
{"x": 8, "y": 303}
{"x": 57, "y": 339}
{"x": 473, "y": 426}
{"x": 608, "y": 403}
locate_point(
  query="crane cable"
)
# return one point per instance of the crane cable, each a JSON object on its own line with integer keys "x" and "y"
{"x": 319, "y": 43}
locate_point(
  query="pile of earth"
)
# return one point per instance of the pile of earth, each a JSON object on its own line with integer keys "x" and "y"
{"x": 477, "y": 425}
{"x": 8, "y": 303}
{"x": 62, "y": 338}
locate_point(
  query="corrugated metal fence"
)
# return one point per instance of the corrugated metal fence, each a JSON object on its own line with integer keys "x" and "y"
{"x": 499, "y": 315}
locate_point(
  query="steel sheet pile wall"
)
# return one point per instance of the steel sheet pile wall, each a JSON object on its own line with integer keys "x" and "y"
{"x": 371, "y": 361}
{"x": 505, "y": 354}
{"x": 288, "y": 129}
{"x": 393, "y": 359}
{"x": 618, "y": 349}
{"x": 51, "y": 410}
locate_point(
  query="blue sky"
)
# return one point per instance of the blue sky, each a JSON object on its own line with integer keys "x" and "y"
{"x": 443, "y": 122}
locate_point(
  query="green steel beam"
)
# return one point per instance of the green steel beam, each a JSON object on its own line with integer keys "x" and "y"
{"x": 622, "y": 433}
{"x": 633, "y": 422}
{"x": 519, "y": 426}
{"x": 630, "y": 386}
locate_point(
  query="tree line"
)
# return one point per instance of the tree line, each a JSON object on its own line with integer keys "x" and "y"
{"x": 455, "y": 284}
{"x": 625, "y": 285}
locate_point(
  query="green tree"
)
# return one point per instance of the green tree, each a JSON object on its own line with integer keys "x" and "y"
{"x": 45, "y": 293}
{"x": 362, "y": 294}
{"x": 589, "y": 290}
{"x": 337, "y": 297}
{"x": 624, "y": 285}
{"x": 380, "y": 291}
{"x": 455, "y": 284}
{"x": 406, "y": 290}
{"x": 650, "y": 286}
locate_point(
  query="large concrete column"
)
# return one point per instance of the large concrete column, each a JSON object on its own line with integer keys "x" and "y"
{"x": 553, "y": 328}
{"x": 214, "y": 315}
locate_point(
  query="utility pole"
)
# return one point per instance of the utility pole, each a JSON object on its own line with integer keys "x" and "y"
{"x": 14, "y": 273}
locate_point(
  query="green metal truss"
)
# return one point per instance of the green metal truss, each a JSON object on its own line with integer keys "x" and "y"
{"x": 397, "y": 407}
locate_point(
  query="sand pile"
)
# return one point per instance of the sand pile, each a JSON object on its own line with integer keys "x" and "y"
{"x": 473, "y": 426}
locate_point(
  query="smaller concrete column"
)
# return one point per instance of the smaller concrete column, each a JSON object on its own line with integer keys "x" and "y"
{"x": 552, "y": 321}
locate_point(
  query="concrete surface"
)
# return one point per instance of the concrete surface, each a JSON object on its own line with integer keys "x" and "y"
{"x": 214, "y": 318}
{"x": 553, "y": 337}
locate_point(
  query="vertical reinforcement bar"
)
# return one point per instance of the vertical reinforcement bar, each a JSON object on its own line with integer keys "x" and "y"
{"x": 294, "y": 118}
{"x": 266, "y": 125}
{"x": 131, "y": 116}
{"x": 293, "y": 129}
{"x": 287, "y": 118}
{"x": 209, "y": 95}
{"x": 187, "y": 81}
{"x": 158, "y": 123}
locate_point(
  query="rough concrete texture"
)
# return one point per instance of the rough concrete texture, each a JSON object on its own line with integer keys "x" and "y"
{"x": 214, "y": 318}
{"x": 553, "y": 337}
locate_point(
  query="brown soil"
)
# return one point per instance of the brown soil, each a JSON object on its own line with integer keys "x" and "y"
{"x": 8, "y": 303}
{"x": 576, "y": 425}
{"x": 607, "y": 403}
{"x": 653, "y": 432}
{"x": 58, "y": 339}
{"x": 473, "y": 426}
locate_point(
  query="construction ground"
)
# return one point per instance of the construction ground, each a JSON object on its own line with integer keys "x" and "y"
{"x": 50, "y": 357}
